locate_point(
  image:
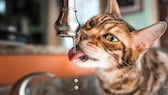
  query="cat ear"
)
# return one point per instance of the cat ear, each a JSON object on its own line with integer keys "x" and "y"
{"x": 113, "y": 8}
{"x": 146, "y": 37}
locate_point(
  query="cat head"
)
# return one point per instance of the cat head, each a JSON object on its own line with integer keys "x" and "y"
{"x": 108, "y": 41}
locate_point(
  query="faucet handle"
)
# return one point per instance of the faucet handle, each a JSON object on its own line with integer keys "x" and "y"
{"x": 20, "y": 86}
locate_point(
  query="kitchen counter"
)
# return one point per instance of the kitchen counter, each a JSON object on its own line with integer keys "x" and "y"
{"x": 33, "y": 49}
{"x": 18, "y": 62}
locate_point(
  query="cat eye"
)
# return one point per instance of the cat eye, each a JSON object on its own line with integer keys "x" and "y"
{"x": 111, "y": 38}
{"x": 92, "y": 23}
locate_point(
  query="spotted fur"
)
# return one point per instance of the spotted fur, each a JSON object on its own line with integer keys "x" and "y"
{"x": 122, "y": 56}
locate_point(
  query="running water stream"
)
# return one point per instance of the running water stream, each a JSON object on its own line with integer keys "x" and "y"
{"x": 74, "y": 44}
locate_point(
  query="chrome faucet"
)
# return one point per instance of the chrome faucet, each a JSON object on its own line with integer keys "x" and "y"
{"x": 67, "y": 24}
{"x": 19, "y": 88}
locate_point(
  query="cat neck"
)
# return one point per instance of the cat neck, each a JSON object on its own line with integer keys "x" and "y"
{"x": 125, "y": 80}
{"x": 148, "y": 74}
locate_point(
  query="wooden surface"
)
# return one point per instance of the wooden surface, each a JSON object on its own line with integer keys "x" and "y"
{"x": 13, "y": 67}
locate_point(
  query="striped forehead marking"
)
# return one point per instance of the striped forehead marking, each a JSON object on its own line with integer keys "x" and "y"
{"x": 103, "y": 19}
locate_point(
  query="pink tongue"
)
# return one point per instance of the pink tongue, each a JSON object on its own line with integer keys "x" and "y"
{"x": 72, "y": 56}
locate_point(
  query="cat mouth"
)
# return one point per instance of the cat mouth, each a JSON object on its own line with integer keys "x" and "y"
{"x": 79, "y": 54}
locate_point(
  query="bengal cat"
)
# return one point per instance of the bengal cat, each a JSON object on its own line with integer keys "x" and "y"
{"x": 123, "y": 58}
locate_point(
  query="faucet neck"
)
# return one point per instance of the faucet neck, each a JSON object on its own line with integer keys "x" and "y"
{"x": 69, "y": 4}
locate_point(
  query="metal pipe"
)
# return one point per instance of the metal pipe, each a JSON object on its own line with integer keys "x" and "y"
{"x": 19, "y": 88}
{"x": 67, "y": 24}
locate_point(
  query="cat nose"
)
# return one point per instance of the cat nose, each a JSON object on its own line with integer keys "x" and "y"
{"x": 84, "y": 37}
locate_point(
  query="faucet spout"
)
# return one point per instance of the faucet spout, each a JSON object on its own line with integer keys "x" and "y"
{"x": 67, "y": 24}
{"x": 20, "y": 86}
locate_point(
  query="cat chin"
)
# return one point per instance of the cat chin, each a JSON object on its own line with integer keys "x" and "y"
{"x": 90, "y": 64}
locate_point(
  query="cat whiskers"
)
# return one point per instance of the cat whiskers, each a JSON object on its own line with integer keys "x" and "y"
{"x": 133, "y": 67}
{"x": 124, "y": 64}
{"x": 119, "y": 74}
{"x": 120, "y": 78}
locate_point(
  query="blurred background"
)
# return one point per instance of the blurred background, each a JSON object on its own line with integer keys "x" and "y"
{"x": 32, "y": 21}
{"x": 28, "y": 41}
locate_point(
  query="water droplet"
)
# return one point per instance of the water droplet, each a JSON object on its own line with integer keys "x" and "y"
{"x": 74, "y": 44}
{"x": 76, "y": 80}
{"x": 76, "y": 87}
